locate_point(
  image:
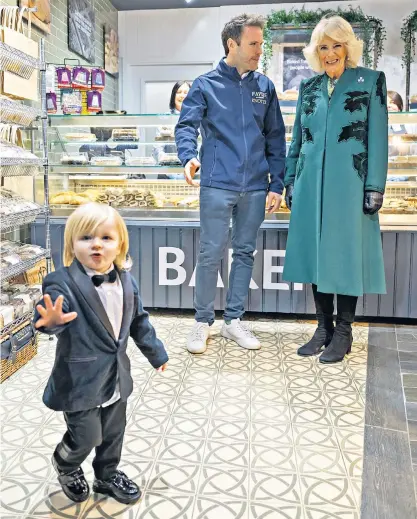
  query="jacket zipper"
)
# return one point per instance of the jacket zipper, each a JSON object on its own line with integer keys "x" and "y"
{"x": 244, "y": 137}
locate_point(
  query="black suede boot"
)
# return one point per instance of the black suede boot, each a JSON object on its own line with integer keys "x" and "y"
{"x": 341, "y": 344}
{"x": 324, "y": 333}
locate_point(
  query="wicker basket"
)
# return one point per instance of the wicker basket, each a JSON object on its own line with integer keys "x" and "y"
{"x": 20, "y": 354}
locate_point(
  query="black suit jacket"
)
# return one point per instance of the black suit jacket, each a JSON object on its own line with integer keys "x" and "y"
{"x": 88, "y": 355}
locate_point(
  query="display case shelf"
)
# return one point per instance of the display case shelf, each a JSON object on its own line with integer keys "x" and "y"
{"x": 17, "y": 62}
{"x": 21, "y": 267}
{"x": 11, "y": 221}
{"x": 111, "y": 170}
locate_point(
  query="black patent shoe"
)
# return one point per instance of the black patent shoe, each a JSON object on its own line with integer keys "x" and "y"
{"x": 74, "y": 485}
{"x": 314, "y": 346}
{"x": 119, "y": 487}
{"x": 340, "y": 346}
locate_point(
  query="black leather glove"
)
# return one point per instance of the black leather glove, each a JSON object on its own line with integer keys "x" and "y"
{"x": 288, "y": 195}
{"x": 372, "y": 202}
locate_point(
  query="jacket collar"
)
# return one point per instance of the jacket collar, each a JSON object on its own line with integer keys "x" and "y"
{"x": 227, "y": 70}
{"x": 88, "y": 290}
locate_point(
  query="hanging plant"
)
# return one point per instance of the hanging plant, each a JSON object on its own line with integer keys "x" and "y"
{"x": 408, "y": 35}
{"x": 372, "y": 30}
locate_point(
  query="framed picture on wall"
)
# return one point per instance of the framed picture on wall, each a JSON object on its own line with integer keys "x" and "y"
{"x": 81, "y": 28}
{"x": 42, "y": 17}
{"x": 111, "y": 51}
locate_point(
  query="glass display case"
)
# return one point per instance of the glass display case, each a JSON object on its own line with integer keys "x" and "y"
{"x": 131, "y": 162}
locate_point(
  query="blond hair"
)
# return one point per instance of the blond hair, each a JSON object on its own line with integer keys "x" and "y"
{"x": 339, "y": 30}
{"x": 85, "y": 220}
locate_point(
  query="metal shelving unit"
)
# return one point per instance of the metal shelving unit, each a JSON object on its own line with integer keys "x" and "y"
{"x": 28, "y": 118}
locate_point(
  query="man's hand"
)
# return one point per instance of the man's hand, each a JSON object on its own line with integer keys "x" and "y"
{"x": 52, "y": 315}
{"x": 273, "y": 201}
{"x": 190, "y": 170}
{"x": 163, "y": 367}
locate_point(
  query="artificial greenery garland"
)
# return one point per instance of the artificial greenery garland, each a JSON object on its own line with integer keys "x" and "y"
{"x": 373, "y": 31}
{"x": 408, "y": 35}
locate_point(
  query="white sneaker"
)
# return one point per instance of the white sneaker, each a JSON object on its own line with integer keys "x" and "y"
{"x": 240, "y": 333}
{"x": 197, "y": 340}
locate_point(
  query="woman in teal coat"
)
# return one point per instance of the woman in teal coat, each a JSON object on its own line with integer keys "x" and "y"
{"x": 335, "y": 180}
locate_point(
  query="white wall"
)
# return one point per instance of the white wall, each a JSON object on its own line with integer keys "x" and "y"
{"x": 191, "y": 37}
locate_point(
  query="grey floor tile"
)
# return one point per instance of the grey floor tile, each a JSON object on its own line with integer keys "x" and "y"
{"x": 412, "y": 430}
{"x": 384, "y": 393}
{"x": 409, "y": 367}
{"x": 382, "y": 337}
{"x": 409, "y": 380}
{"x": 388, "y": 486}
{"x": 407, "y": 346}
{"x": 408, "y": 356}
{"x": 410, "y": 394}
{"x": 411, "y": 411}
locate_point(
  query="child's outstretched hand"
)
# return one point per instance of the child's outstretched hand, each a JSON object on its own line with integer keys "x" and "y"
{"x": 52, "y": 315}
{"x": 163, "y": 367}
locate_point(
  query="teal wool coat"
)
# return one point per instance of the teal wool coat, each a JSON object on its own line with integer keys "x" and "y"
{"x": 338, "y": 151}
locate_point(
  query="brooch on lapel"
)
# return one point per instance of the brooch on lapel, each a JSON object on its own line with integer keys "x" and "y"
{"x": 361, "y": 80}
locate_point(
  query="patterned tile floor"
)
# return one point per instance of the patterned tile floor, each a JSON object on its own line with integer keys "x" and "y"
{"x": 230, "y": 434}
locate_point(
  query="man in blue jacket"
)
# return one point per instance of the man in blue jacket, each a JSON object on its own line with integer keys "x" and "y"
{"x": 242, "y": 161}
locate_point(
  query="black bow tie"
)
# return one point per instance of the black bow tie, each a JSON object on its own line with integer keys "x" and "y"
{"x": 98, "y": 279}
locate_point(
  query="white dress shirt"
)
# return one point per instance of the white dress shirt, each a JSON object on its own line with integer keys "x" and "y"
{"x": 111, "y": 296}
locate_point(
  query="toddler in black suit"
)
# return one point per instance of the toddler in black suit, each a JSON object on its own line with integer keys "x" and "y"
{"x": 92, "y": 305}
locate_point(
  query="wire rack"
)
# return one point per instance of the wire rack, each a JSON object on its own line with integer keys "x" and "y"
{"x": 14, "y": 167}
{"x": 23, "y": 266}
{"x": 8, "y": 329}
{"x": 13, "y": 112}
{"x": 16, "y": 61}
{"x": 11, "y": 221}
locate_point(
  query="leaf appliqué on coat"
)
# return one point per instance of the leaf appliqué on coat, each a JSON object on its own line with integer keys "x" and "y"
{"x": 311, "y": 92}
{"x": 360, "y": 163}
{"x": 307, "y": 135}
{"x": 300, "y": 164}
{"x": 380, "y": 89}
{"x": 356, "y": 100}
{"x": 357, "y": 130}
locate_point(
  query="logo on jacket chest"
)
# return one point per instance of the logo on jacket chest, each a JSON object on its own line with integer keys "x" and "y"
{"x": 259, "y": 97}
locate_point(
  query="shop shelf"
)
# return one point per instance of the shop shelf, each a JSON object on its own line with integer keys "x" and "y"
{"x": 16, "y": 61}
{"x": 11, "y": 221}
{"x": 11, "y": 167}
{"x": 13, "y": 112}
{"x": 111, "y": 170}
{"x": 21, "y": 267}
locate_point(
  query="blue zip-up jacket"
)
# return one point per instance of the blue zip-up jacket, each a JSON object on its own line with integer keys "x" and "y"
{"x": 242, "y": 128}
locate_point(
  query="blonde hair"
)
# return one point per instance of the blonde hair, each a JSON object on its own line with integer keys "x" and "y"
{"x": 85, "y": 220}
{"x": 339, "y": 30}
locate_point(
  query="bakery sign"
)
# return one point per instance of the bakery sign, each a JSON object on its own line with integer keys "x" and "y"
{"x": 172, "y": 271}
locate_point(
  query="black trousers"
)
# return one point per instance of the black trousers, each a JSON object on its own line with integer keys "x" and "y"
{"x": 102, "y": 428}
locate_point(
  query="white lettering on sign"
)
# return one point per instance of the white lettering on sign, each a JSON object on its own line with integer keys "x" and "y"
{"x": 175, "y": 265}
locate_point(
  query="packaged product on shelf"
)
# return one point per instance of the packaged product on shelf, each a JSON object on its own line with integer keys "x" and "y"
{"x": 93, "y": 101}
{"x": 80, "y": 137}
{"x": 108, "y": 160}
{"x": 71, "y": 102}
{"x": 11, "y": 203}
{"x": 98, "y": 79}
{"x": 76, "y": 159}
{"x": 164, "y": 133}
{"x": 168, "y": 159}
{"x": 64, "y": 77}
{"x": 125, "y": 134}
{"x": 140, "y": 161}
{"x": 51, "y": 105}
{"x": 81, "y": 78}
{"x": 7, "y": 315}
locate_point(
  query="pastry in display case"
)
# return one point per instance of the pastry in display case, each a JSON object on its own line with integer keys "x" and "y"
{"x": 134, "y": 166}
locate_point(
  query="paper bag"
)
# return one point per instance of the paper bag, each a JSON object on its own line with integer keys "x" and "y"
{"x": 12, "y": 33}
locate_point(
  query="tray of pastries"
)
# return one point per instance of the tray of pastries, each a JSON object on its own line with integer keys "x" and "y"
{"x": 81, "y": 137}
